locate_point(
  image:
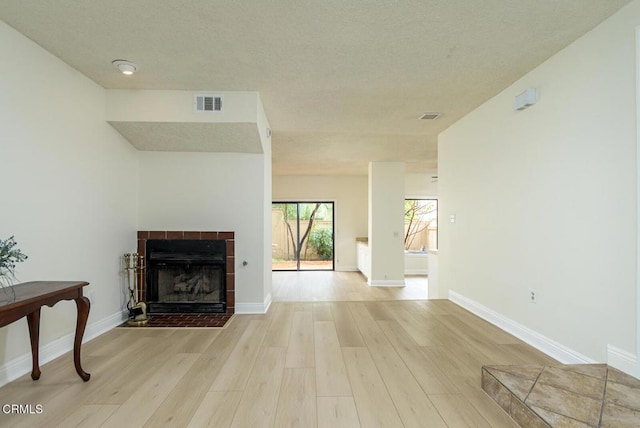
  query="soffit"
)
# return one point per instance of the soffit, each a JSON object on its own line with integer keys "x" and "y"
{"x": 191, "y": 137}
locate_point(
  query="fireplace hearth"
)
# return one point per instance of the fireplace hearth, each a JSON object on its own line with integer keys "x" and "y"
{"x": 188, "y": 272}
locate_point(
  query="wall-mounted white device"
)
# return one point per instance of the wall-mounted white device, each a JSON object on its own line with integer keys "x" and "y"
{"x": 526, "y": 99}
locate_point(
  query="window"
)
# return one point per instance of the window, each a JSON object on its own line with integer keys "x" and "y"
{"x": 420, "y": 224}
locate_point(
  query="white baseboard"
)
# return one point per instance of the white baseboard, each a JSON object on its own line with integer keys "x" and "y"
{"x": 386, "y": 283}
{"x": 347, "y": 269}
{"x": 11, "y": 370}
{"x": 416, "y": 271}
{"x": 267, "y": 303}
{"x": 622, "y": 360}
{"x": 548, "y": 346}
{"x": 253, "y": 308}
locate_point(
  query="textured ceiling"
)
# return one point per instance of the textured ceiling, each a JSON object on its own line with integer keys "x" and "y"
{"x": 342, "y": 81}
{"x": 342, "y": 154}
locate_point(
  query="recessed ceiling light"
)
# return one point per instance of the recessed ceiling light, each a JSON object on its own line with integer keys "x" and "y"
{"x": 125, "y": 67}
{"x": 429, "y": 116}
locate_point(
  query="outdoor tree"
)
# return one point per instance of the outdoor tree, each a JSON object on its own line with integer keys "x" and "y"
{"x": 415, "y": 213}
{"x": 290, "y": 212}
{"x": 304, "y": 237}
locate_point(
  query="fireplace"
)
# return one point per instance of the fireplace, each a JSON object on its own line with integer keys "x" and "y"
{"x": 188, "y": 272}
{"x": 186, "y": 276}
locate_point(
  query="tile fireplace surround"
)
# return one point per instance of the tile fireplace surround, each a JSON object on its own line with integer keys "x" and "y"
{"x": 228, "y": 237}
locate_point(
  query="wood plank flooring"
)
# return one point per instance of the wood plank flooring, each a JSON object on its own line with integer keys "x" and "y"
{"x": 325, "y": 286}
{"x": 303, "y": 364}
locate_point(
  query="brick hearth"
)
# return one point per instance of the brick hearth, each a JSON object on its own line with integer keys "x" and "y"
{"x": 188, "y": 320}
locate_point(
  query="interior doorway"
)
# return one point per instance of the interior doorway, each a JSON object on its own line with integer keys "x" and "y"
{"x": 303, "y": 236}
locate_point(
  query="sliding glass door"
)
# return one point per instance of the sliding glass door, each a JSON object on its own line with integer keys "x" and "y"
{"x": 303, "y": 235}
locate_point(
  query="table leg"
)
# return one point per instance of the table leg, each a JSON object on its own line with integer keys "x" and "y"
{"x": 33, "y": 319}
{"x": 83, "y": 305}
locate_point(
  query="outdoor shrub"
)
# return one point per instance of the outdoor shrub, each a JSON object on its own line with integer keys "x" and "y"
{"x": 321, "y": 240}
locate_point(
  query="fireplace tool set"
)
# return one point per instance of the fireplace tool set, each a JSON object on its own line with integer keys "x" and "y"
{"x": 134, "y": 268}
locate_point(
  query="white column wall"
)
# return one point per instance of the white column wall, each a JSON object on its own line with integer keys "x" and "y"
{"x": 265, "y": 135}
{"x": 386, "y": 222}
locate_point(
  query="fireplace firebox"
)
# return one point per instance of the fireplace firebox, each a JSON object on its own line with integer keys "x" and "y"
{"x": 186, "y": 276}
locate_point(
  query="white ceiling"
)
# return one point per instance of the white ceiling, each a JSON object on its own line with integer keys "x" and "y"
{"x": 342, "y": 81}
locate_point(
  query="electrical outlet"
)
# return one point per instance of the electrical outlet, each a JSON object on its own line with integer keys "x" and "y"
{"x": 533, "y": 296}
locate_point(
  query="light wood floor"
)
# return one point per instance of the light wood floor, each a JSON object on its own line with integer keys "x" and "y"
{"x": 338, "y": 364}
{"x": 327, "y": 286}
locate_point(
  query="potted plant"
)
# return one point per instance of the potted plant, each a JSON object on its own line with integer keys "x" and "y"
{"x": 9, "y": 257}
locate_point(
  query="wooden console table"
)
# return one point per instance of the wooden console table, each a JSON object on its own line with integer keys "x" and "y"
{"x": 31, "y": 297}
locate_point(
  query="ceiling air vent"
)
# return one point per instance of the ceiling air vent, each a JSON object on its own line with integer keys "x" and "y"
{"x": 429, "y": 116}
{"x": 208, "y": 103}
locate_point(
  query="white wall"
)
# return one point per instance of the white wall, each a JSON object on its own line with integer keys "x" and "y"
{"x": 420, "y": 186}
{"x": 386, "y": 222}
{"x": 68, "y": 191}
{"x": 350, "y": 196}
{"x": 211, "y": 191}
{"x": 545, "y": 198}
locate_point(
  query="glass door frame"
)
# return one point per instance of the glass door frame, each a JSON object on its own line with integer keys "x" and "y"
{"x": 333, "y": 233}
